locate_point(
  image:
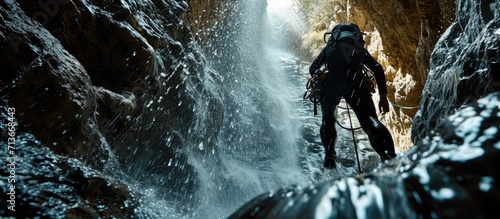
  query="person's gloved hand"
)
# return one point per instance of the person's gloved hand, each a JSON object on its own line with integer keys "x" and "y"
{"x": 383, "y": 104}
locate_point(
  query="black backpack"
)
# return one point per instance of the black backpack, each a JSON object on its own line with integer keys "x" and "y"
{"x": 346, "y": 32}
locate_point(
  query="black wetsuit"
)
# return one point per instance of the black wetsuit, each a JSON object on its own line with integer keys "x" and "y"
{"x": 344, "y": 81}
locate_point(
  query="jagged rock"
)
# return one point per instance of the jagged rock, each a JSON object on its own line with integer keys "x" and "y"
{"x": 43, "y": 184}
{"x": 408, "y": 32}
{"x": 464, "y": 65}
{"x": 126, "y": 76}
{"x": 451, "y": 174}
{"x": 89, "y": 77}
{"x": 49, "y": 88}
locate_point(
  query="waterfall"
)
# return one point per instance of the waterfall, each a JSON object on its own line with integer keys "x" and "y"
{"x": 258, "y": 141}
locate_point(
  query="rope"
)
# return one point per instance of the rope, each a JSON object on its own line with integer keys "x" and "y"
{"x": 312, "y": 92}
{"x": 403, "y": 107}
{"x": 341, "y": 126}
{"x": 354, "y": 139}
{"x": 395, "y": 105}
{"x": 348, "y": 129}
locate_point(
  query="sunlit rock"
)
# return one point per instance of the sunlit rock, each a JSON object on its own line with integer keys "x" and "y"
{"x": 451, "y": 174}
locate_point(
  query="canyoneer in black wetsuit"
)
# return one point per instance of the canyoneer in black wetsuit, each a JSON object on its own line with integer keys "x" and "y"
{"x": 344, "y": 56}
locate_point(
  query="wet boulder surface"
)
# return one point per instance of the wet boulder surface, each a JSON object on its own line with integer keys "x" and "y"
{"x": 36, "y": 182}
{"x": 451, "y": 174}
{"x": 52, "y": 186}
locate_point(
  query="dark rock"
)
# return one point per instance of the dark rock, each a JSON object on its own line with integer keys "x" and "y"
{"x": 49, "y": 89}
{"x": 52, "y": 186}
{"x": 464, "y": 65}
{"x": 90, "y": 77}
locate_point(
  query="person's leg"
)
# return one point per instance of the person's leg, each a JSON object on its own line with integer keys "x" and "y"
{"x": 379, "y": 136}
{"x": 328, "y": 133}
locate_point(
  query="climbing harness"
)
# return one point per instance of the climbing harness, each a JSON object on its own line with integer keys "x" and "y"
{"x": 313, "y": 90}
{"x": 312, "y": 93}
{"x": 368, "y": 77}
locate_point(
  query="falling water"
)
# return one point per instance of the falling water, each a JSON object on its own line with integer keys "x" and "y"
{"x": 257, "y": 144}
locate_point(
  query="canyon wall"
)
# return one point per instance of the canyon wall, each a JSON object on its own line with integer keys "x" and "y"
{"x": 448, "y": 175}
{"x": 203, "y": 16}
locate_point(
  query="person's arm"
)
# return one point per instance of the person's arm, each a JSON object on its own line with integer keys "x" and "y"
{"x": 317, "y": 63}
{"x": 379, "y": 74}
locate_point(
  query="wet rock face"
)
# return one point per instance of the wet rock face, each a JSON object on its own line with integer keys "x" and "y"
{"x": 49, "y": 88}
{"x": 90, "y": 77}
{"x": 451, "y": 174}
{"x": 464, "y": 65}
{"x": 52, "y": 186}
{"x": 202, "y": 16}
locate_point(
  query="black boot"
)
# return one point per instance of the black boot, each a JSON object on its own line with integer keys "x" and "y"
{"x": 329, "y": 163}
{"x": 330, "y": 156}
{"x": 387, "y": 157}
{"x": 328, "y": 138}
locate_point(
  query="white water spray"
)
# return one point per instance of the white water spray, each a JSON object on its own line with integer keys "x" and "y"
{"x": 258, "y": 144}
